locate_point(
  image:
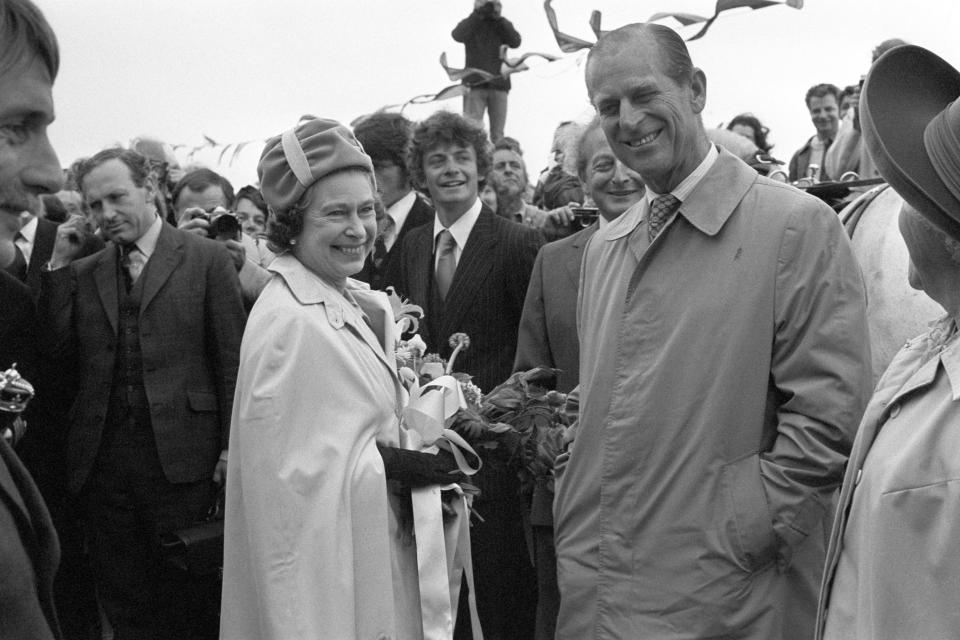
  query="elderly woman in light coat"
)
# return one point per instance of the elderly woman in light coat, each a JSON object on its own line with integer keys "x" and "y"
{"x": 311, "y": 546}
{"x": 893, "y": 567}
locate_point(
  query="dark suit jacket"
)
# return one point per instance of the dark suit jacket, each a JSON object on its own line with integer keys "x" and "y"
{"x": 801, "y": 160}
{"x": 18, "y": 324}
{"x": 191, "y": 321}
{"x": 548, "y": 328}
{"x": 485, "y": 299}
{"x": 388, "y": 274}
{"x": 29, "y": 555}
{"x": 42, "y": 250}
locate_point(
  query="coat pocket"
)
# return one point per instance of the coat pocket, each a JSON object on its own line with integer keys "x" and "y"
{"x": 748, "y": 525}
{"x": 202, "y": 402}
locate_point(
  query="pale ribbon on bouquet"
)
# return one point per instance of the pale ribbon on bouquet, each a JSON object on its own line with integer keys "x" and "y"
{"x": 441, "y": 546}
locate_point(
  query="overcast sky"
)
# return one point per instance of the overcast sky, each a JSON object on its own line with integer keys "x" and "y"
{"x": 239, "y": 70}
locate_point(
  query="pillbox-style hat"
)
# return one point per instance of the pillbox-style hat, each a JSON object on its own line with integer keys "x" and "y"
{"x": 294, "y": 160}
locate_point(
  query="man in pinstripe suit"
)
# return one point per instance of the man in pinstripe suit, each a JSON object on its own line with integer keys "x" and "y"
{"x": 469, "y": 269}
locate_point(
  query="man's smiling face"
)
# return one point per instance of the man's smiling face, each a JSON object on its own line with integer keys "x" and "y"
{"x": 450, "y": 171}
{"x": 651, "y": 120}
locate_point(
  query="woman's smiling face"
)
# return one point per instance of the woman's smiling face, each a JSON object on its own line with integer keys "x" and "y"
{"x": 339, "y": 226}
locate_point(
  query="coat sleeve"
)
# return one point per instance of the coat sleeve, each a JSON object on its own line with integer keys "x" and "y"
{"x": 58, "y": 342}
{"x": 508, "y": 34}
{"x": 466, "y": 26}
{"x": 533, "y": 345}
{"x": 820, "y": 370}
{"x": 253, "y": 278}
{"x": 224, "y": 317}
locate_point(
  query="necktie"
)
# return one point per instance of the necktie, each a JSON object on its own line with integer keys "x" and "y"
{"x": 661, "y": 208}
{"x": 380, "y": 244}
{"x": 133, "y": 262}
{"x": 446, "y": 261}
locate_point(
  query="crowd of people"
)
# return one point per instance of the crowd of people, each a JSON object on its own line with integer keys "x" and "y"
{"x": 202, "y": 354}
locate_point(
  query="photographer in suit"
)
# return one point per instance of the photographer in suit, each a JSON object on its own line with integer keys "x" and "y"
{"x": 482, "y": 33}
{"x": 202, "y": 202}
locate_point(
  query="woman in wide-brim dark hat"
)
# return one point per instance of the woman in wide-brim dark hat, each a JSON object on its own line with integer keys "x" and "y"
{"x": 893, "y": 567}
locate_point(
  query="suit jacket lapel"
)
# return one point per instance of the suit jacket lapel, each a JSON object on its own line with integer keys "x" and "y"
{"x": 421, "y": 264}
{"x": 475, "y": 264}
{"x": 166, "y": 256}
{"x": 105, "y": 276}
{"x": 573, "y": 256}
{"x": 42, "y": 248}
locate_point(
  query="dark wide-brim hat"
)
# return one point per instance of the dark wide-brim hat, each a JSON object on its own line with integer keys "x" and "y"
{"x": 910, "y": 118}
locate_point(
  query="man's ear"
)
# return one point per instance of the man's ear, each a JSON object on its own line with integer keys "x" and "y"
{"x": 698, "y": 90}
{"x": 150, "y": 184}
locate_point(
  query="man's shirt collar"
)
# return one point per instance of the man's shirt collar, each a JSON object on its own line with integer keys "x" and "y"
{"x": 147, "y": 243}
{"x": 626, "y": 223}
{"x": 29, "y": 230}
{"x": 460, "y": 230}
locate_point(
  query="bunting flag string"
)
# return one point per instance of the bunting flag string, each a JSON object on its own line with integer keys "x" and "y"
{"x": 509, "y": 65}
{"x": 567, "y": 43}
{"x": 456, "y": 75}
{"x": 688, "y": 19}
{"x": 595, "y": 24}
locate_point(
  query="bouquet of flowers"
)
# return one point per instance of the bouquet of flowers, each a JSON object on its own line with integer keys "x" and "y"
{"x": 523, "y": 420}
{"x": 520, "y": 423}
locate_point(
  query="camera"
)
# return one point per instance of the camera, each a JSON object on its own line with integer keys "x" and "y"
{"x": 586, "y": 216}
{"x": 224, "y": 225}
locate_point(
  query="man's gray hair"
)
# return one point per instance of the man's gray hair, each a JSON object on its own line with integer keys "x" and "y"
{"x": 675, "y": 60}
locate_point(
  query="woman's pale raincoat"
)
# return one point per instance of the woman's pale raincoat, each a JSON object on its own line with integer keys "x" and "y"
{"x": 311, "y": 548}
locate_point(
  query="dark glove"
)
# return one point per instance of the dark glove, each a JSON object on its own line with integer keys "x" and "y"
{"x": 416, "y": 469}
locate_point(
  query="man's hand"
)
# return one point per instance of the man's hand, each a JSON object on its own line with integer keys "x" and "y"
{"x": 195, "y": 221}
{"x": 68, "y": 243}
{"x": 237, "y": 251}
{"x": 562, "y": 216}
{"x": 220, "y": 472}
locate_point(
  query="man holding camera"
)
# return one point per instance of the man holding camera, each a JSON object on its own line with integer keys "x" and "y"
{"x": 149, "y": 330}
{"x": 202, "y": 202}
{"x": 482, "y": 33}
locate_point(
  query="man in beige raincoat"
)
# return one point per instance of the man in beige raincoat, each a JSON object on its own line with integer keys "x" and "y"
{"x": 724, "y": 367}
